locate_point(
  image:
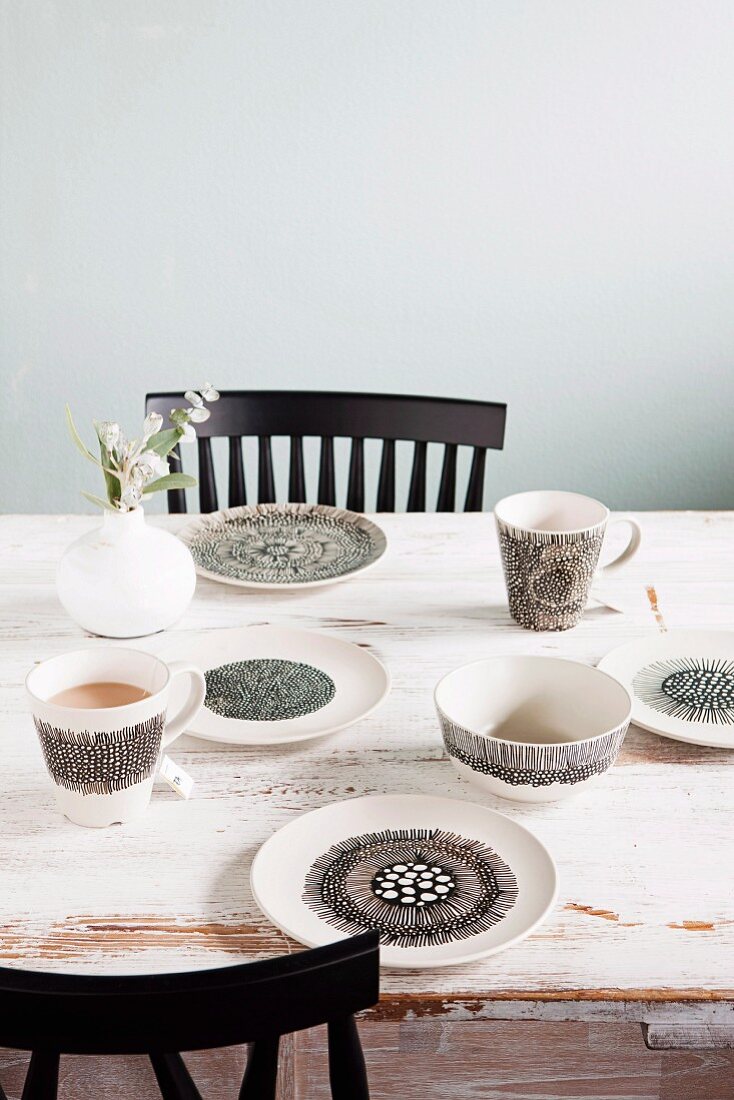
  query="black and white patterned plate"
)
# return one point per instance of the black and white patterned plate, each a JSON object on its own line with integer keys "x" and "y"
{"x": 681, "y": 683}
{"x": 268, "y": 685}
{"x": 443, "y": 881}
{"x": 283, "y": 545}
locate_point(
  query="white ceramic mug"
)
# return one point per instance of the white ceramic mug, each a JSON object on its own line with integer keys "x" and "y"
{"x": 103, "y": 760}
{"x": 550, "y": 543}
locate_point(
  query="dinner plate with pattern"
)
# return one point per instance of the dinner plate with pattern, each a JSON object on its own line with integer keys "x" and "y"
{"x": 444, "y": 882}
{"x": 681, "y": 683}
{"x": 283, "y": 546}
{"x": 269, "y": 685}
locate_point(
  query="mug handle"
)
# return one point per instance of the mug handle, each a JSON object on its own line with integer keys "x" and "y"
{"x": 193, "y": 704}
{"x": 630, "y": 549}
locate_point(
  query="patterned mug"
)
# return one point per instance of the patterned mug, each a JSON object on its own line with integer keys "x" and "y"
{"x": 550, "y": 543}
{"x": 103, "y": 760}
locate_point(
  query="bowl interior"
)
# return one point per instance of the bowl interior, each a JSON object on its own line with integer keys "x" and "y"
{"x": 533, "y": 700}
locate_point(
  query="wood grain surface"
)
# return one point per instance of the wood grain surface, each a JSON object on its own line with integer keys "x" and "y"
{"x": 644, "y": 927}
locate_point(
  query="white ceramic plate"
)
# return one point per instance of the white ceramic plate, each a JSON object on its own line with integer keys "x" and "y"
{"x": 445, "y": 882}
{"x": 268, "y": 685}
{"x": 681, "y": 683}
{"x": 283, "y": 546}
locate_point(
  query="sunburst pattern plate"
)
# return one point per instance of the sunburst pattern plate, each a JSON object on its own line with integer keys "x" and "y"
{"x": 681, "y": 683}
{"x": 443, "y": 882}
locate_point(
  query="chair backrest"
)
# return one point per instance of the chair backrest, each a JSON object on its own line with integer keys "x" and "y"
{"x": 159, "y": 1015}
{"x": 357, "y": 416}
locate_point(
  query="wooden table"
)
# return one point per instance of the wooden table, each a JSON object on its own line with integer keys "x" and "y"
{"x": 644, "y": 928}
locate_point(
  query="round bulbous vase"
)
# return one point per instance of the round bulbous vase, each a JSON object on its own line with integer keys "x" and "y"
{"x": 126, "y": 578}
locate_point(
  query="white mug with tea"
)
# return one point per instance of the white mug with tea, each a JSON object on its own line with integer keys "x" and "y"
{"x": 101, "y": 718}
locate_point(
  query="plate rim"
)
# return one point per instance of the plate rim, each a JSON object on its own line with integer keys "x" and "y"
{"x": 207, "y": 520}
{"x": 461, "y": 960}
{"x": 653, "y": 726}
{"x": 310, "y": 736}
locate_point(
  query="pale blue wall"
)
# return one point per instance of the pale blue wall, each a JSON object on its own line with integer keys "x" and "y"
{"x": 525, "y": 200}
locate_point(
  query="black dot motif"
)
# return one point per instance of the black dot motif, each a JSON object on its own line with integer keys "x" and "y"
{"x": 267, "y": 690}
{"x": 694, "y": 689}
{"x": 461, "y": 887}
{"x": 100, "y": 763}
{"x": 413, "y": 884}
{"x": 273, "y": 547}
{"x": 548, "y": 577}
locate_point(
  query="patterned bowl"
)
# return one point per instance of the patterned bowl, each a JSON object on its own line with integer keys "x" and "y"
{"x": 533, "y": 729}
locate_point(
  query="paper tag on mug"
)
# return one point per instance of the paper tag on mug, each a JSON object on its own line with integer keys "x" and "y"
{"x": 176, "y": 778}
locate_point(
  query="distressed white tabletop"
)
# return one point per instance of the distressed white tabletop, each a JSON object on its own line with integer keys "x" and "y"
{"x": 644, "y": 926}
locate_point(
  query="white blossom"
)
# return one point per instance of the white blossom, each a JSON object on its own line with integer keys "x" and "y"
{"x": 188, "y": 435}
{"x": 151, "y": 465}
{"x": 208, "y": 392}
{"x": 109, "y": 434}
{"x": 198, "y": 416}
{"x": 152, "y": 425}
{"x": 193, "y": 398}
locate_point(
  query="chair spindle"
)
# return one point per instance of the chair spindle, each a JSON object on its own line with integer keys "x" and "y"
{"x": 417, "y": 490}
{"x": 176, "y": 497}
{"x": 327, "y": 481}
{"x": 355, "y": 483}
{"x": 207, "y": 485}
{"x": 42, "y": 1078}
{"x": 265, "y": 476}
{"x": 174, "y": 1080}
{"x": 475, "y": 490}
{"x": 237, "y": 492}
{"x": 261, "y": 1074}
{"x": 347, "y": 1070}
{"x": 386, "y": 481}
{"x": 447, "y": 487}
{"x": 296, "y": 475}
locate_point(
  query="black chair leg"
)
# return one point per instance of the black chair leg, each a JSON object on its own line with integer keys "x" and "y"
{"x": 347, "y": 1071}
{"x": 261, "y": 1073}
{"x": 42, "y": 1078}
{"x": 174, "y": 1080}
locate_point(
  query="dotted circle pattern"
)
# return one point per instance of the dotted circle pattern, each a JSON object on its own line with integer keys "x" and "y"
{"x": 278, "y": 548}
{"x": 267, "y": 690}
{"x": 416, "y": 887}
{"x": 413, "y": 884}
{"x": 548, "y": 583}
{"x": 701, "y": 687}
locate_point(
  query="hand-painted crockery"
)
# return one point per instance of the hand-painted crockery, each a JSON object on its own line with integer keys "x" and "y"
{"x": 283, "y": 546}
{"x": 444, "y": 882}
{"x": 550, "y": 544}
{"x": 532, "y": 729}
{"x": 103, "y": 761}
{"x": 682, "y": 684}
{"x": 269, "y": 685}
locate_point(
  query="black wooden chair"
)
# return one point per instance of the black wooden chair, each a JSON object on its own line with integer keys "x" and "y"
{"x": 357, "y": 416}
{"x": 256, "y": 1003}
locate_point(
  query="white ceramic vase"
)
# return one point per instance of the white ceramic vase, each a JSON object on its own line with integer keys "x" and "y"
{"x": 126, "y": 578}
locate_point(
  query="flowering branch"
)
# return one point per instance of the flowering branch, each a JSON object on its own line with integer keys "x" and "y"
{"x": 135, "y": 468}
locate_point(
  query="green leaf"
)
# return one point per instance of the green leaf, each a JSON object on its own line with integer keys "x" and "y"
{"x": 98, "y": 501}
{"x": 112, "y": 483}
{"x": 170, "y": 481}
{"x": 164, "y": 442}
{"x": 78, "y": 442}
